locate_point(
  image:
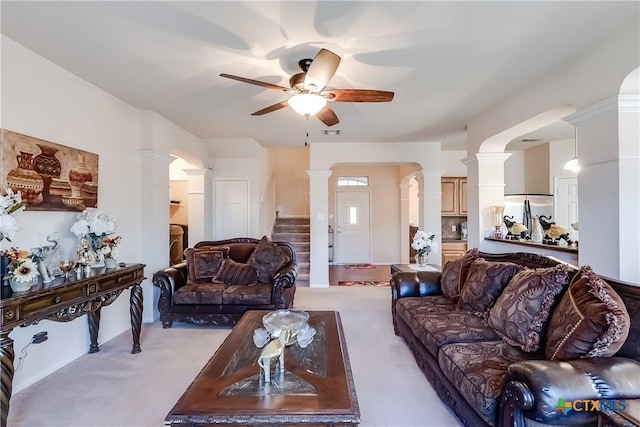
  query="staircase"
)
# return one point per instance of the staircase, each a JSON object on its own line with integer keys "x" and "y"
{"x": 296, "y": 231}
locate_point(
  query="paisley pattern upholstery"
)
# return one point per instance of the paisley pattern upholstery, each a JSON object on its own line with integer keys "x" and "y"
{"x": 199, "y": 293}
{"x": 485, "y": 282}
{"x": 521, "y": 312}
{"x": 409, "y": 306}
{"x": 267, "y": 259}
{"x": 203, "y": 263}
{"x": 434, "y": 330}
{"x": 454, "y": 274}
{"x": 253, "y": 294}
{"x": 590, "y": 320}
{"x": 478, "y": 370}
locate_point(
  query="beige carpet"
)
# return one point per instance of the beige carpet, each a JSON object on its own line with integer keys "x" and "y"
{"x": 115, "y": 388}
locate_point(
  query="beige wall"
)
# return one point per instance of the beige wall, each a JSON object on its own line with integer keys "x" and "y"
{"x": 536, "y": 169}
{"x": 292, "y": 180}
{"x": 179, "y": 214}
{"x": 384, "y": 188}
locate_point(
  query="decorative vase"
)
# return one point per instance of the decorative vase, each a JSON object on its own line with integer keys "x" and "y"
{"x": 537, "y": 234}
{"x": 110, "y": 262}
{"x": 17, "y": 286}
{"x": 422, "y": 259}
{"x": 58, "y": 189}
{"x": 48, "y": 166}
{"x": 89, "y": 194}
{"x": 25, "y": 179}
{"x": 78, "y": 175}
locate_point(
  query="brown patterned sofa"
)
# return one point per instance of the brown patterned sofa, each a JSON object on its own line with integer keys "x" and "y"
{"x": 507, "y": 338}
{"x": 220, "y": 280}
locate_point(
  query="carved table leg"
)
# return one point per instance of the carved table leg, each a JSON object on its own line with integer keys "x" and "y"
{"x": 136, "y": 316}
{"x": 94, "y": 325}
{"x": 6, "y": 359}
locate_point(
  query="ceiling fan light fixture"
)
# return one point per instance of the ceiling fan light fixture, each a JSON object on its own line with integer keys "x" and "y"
{"x": 307, "y": 104}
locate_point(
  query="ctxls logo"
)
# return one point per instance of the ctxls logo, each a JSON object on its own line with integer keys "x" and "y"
{"x": 586, "y": 405}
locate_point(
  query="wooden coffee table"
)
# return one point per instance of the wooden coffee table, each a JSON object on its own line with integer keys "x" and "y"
{"x": 317, "y": 388}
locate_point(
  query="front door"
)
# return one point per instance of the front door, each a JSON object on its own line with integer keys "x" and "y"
{"x": 352, "y": 227}
{"x": 232, "y": 209}
{"x": 566, "y": 204}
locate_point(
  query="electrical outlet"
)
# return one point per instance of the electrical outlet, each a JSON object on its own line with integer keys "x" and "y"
{"x": 453, "y": 228}
{"x": 39, "y": 337}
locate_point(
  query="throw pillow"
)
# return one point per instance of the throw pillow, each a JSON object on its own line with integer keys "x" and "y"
{"x": 235, "y": 273}
{"x": 485, "y": 282}
{"x": 590, "y": 321}
{"x": 267, "y": 259}
{"x": 521, "y": 311}
{"x": 203, "y": 263}
{"x": 454, "y": 274}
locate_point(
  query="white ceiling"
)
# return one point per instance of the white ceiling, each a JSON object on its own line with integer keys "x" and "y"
{"x": 445, "y": 61}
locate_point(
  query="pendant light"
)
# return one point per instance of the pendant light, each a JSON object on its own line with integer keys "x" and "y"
{"x": 574, "y": 164}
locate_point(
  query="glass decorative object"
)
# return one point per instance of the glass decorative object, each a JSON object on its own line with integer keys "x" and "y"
{"x": 422, "y": 259}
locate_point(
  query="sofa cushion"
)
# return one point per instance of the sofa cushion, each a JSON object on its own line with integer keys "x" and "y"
{"x": 434, "y": 330}
{"x": 478, "y": 370}
{"x": 199, "y": 293}
{"x": 521, "y": 312}
{"x": 267, "y": 259}
{"x": 485, "y": 282}
{"x": 454, "y": 273}
{"x": 235, "y": 273}
{"x": 203, "y": 263}
{"x": 252, "y": 294}
{"x": 589, "y": 321}
{"x": 410, "y": 306}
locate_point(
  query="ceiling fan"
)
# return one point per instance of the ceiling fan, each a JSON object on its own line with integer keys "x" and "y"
{"x": 308, "y": 89}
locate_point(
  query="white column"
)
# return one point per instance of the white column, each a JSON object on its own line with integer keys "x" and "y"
{"x": 319, "y": 212}
{"x": 430, "y": 215}
{"x": 608, "y": 196}
{"x": 200, "y": 194}
{"x": 485, "y": 188}
{"x": 154, "y": 210}
{"x": 404, "y": 220}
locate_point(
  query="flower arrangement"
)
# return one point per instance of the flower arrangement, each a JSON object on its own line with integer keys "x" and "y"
{"x": 108, "y": 246}
{"x": 10, "y": 203}
{"x": 23, "y": 266}
{"x": 94, "y": 225}
{"x": 97, "y": 228}
{"x": 423, "y": 243}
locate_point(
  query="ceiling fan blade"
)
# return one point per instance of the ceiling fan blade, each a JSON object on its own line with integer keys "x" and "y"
{"x": 256, "y": 82}
{"x": 358, "y": 95}
{"x": 271, "y": 108}
{"x": 321, "y": 70}
{"x": 327, "y": 116}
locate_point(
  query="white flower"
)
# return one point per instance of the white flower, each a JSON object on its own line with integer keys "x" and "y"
{"x": 93, "y": 221}
{"x": 25, "y": 270}
{"x": 105, "y": 250}
{"x": 8, "y": 227}
{"x": 424, "y": 242}
{"x": 80, "y": 228}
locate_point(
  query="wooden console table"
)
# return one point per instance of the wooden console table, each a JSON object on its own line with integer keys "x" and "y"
{"x": 62, "y": 301}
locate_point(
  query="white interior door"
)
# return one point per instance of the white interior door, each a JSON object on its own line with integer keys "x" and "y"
{"x": 566, "y": 204}
{"x": 352, "y": 227}
{"x": 232, "y": 209}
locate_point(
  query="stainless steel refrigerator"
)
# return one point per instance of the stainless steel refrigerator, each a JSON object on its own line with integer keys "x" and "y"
{"x": 523, "y": 207}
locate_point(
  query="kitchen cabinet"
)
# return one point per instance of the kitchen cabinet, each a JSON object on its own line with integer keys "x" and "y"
{"x": 454, "y": 196}
{"x": 452, "y": 251}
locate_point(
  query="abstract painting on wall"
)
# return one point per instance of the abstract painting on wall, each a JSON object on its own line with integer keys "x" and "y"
{"x": 49, "y": 176}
